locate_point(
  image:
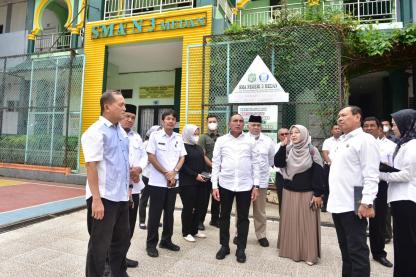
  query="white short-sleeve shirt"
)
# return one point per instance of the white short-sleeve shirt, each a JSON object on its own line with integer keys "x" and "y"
{"x": 137, "y": 157}
{"x": 330, "y": 144}
{"x": 168, "y": 150}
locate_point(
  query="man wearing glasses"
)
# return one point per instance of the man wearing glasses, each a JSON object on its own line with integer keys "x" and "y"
{"x": 281, "y": 135}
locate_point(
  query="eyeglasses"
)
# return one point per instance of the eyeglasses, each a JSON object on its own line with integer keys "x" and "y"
{"x": 284, "y": 134}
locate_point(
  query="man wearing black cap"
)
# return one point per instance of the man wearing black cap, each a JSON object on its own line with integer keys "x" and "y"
{"x": 137, "y": 161}
{"x": 235, "y": 174}
{"x": 265, "y": 148}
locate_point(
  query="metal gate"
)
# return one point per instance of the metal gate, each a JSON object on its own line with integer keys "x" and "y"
{"x": 308, "y": 68}
{"x": 40, "y": 108}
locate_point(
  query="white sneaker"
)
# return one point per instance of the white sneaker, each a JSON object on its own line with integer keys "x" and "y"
{"x": 189, "y": 238}
{"x": 200, "y": 235}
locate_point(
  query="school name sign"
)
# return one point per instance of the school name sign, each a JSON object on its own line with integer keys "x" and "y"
{"x": 137, "y": 26}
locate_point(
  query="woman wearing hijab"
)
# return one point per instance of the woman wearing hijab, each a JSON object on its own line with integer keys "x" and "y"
{"x": 302, "y": 171}
{"x": 402, "y": 193}
{"x": 192, "y": 183}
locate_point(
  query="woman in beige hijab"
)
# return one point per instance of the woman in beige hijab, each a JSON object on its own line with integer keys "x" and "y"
{"x": 303, "y": 187}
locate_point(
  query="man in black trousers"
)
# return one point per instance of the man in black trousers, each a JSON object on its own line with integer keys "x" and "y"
{"x": 377, "y": 228}
{"x": 166, "y": 153}
{"x": 106, "y": 150}
{"x": 353, "y": 185}
{"x": 235, "y": 174}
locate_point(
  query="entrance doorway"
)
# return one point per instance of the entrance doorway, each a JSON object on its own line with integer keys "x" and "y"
{"x": 149, "y": 116}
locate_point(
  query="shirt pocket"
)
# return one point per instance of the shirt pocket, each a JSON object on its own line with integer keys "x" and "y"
{"x": 162, "y": 147}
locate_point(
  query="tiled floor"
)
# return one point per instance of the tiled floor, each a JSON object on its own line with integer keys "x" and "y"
{"x": 57, "y": 247}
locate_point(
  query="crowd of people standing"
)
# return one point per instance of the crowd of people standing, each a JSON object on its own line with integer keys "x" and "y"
{"x": 361, "y": 170}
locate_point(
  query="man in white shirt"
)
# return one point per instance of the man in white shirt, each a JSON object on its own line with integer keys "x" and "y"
{"x": 235, "y": 173}
{"x": 137, "y": 161}
{"x": 377, "y": 228}
{"x": 105, "y": 147}
{"x": 282, "y": 134}
{"x": 166, "y": 153}
{"x": 265, "y": 149}
{"x": 354, "y": 174}
{"x": 329, "y": 145}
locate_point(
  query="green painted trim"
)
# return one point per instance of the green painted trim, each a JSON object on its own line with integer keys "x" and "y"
{"x": 406, "y": 12}
{"x": 74, "y": 41}
{"x": 30, "y": 14}
{"x": 30, "y": 46}
{"x": 177, "y": 93}
{"x": 75, "y": 6}
{"x": 105, "y": 69}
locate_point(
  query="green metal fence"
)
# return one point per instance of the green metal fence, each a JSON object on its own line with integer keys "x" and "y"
{"x": 40, "y": 108}
{"x": 307, "y": 65}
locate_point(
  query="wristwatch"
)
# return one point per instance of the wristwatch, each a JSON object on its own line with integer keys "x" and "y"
{"x": 367, "y": 206}
{"x": 257, "y": 187}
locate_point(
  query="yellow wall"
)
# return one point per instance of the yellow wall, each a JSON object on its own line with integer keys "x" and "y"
{"x": 95, "y": 60}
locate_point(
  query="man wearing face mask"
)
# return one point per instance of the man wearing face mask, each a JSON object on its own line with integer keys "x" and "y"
{"x": 387, "y": 131}
{"x": 207, "y": 142}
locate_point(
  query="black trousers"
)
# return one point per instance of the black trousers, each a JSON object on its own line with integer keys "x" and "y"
{"x": 389, "y": 230}
{"x": 193, "y": 201}
{"x": 243, "y": 199}
{"x": 204, "y": 202}
{"x": 161, "y": 199}
{"x": 144, "y": 198}
{"x": 326, "y": 184}
{"x": 404, "y": 238}
{"x": 133, "y": 212}
{"x": 215, "y": 210}
{"x": 279, "y": 189}
{"x": 353, "y": 244}
{"x": 109, "y": 236}
{"x": 378, "y": 223}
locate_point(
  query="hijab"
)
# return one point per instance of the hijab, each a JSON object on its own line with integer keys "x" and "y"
{"x": 188, "y": 132}
{"x": 406, "y": 123}
{"x": 300, "y": 155}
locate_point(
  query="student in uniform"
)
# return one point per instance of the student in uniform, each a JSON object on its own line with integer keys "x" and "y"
{"x": 105, "y": 147}
{"x": 166, "y": 154}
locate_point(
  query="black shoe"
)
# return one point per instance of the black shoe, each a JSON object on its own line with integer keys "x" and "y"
{"x": 387, "y": 240}
{"x": 142, "y": 226}
{"x": 107, "y": 268}
{"x": 169, "y": 245}
{"x": 384, "y": 261}
{"x": 201, "y": 226}
{"x": 264, "y": 242}
{"x": 152, "y": 252}
{"x": 241, "y": 256}
{"x": 235, "y": 240}
{"x": 214, "y": 223}
{"x": 224, "y": 251}
{"x": 131, "y": 263}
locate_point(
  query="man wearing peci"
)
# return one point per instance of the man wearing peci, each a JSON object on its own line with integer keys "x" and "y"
{"x": 265, "y": 148}
{"x": 353, "y": 185}
{"x": 138, "y": 161}
{"x": 235, "y": 174}
{"x": 105, "y": 147}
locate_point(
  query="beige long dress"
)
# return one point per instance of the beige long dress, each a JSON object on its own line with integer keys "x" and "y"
{"x": 299, "y": 229}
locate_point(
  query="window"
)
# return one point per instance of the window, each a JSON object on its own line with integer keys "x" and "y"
{"x": 127, "y": 93}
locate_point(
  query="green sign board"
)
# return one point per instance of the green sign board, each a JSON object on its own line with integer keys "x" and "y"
{"x": 156, "y": 92}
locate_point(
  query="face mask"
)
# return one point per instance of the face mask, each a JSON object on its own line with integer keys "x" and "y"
{"x": 212, "y": 126}
{"x": 386, "y": 128}
{"x": 195, "y": 139}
